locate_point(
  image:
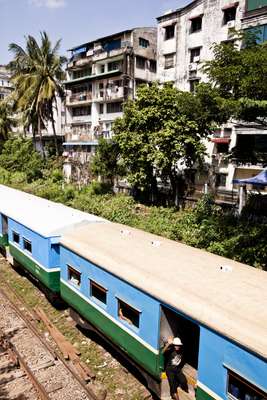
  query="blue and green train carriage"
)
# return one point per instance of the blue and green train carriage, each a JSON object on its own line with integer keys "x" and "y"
{"x": 30, "y": 230}
{"x": 137, "y": 289}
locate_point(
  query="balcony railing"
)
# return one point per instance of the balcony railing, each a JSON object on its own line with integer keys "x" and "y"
{"x": 110, "y": 94}
{"x": 82, "y": 137}
{"x": 87, "y": 136}
{"x": 80, "y": 97}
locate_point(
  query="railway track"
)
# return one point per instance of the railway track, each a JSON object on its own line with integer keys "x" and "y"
{"x": 48, "y": 373}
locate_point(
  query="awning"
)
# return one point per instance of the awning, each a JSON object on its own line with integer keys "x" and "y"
{"x": 258, "y": 180}
{"x": 231, "y": 5}
{"x": 220, "y": 140}
{"x": 196, "y": 16}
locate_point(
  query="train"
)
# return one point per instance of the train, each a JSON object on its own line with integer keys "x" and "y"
{"x": 135, "y": 289}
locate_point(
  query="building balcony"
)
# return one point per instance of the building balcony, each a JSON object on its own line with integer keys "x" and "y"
{"x": 79, "y": 98}
{"x": 81, "y": 156}
{"x": 85, "y": 137}
{"x": 109, "y": 94}
{"x": 81, "y": 119}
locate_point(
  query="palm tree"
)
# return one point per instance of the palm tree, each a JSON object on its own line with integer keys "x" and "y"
{"x": 37, "y": 75}
{"x": 6, "y": 121}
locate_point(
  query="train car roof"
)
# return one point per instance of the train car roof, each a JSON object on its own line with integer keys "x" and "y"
{"x": 224, "y": 295}
{"x": 45, "y": 217}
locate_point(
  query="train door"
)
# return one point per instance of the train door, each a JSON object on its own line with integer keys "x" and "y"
{"x": 4, "y": 224}
{"x": 174, "y": 324}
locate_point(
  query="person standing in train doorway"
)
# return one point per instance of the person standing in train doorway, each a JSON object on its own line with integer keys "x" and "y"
{"x": 174, "y": 362}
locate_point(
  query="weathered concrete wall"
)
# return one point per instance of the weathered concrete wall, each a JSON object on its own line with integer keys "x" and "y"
{"x": 213, "y": 31}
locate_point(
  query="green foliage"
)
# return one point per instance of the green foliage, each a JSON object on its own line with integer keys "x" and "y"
{"x": 106, "y": 160}
{"x": 6, "y": 121}
{"x": 240, "y": 77}
{"x": 37, "y": 75}
{"x": 18, "y": 155}
{"x": 164, "y": 127}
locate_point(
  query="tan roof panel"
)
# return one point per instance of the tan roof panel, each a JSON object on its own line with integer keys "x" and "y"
{"x": 220, "y": 293}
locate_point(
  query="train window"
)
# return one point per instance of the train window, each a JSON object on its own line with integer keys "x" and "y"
{"x": 15, "y": 236}
{"x": 128, "y": 313}
{"x": 27, "y": 245}
{"x": 74, "y": 276}
{"x": 98, "y": 292}
{"x": 239, "y": 388}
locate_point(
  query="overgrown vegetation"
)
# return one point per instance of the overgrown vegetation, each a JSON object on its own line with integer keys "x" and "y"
{"x": 205, "y": 226}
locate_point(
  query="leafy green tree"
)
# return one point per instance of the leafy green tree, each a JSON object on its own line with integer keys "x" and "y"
{"x": 18, "y": 155}
{"x": 240, "y": 77}
{"x": 37, "y": 75}
{"x": 106, "y": 160}
{"x": 6, "y": 121}
{"x": 161, "y": 132}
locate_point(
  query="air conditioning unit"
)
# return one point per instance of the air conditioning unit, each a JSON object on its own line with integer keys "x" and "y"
{"x": 90, "y": 53}
{"x": 196, "y": 59}
{"x": 230, "y": 24}
{"x": 192, "y": 67}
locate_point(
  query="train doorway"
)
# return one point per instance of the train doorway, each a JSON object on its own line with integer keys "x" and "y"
{"x": 174, "y": 324}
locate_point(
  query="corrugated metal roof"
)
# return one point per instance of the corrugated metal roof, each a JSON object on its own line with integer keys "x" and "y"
{"x": 40, "y": 215}
{"x": 220, "y": 293}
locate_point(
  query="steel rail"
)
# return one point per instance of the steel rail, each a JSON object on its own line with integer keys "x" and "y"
{"x": 53, "y": 352}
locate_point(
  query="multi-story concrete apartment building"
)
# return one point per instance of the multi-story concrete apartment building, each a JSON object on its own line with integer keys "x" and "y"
{"x": 185, "y": 39}
{"x": 101, "y": 75}
{"x": 5, "y": 84}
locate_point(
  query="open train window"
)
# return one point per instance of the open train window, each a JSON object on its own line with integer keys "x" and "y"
{"x": 240, "y": 388}
{"x": 15, "y": 237}
{"x": 27, "y": 245}
{"x": 128, "y": 313}
{"x": 98, "y": 292}
{"x": 74, "y": 276}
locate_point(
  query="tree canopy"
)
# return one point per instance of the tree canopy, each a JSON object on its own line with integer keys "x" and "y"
{"x": 37, "y": 75}
{"x": 161, "y": 131}
{"x": 240, "y": 76}
{"x": 6, "y": 121}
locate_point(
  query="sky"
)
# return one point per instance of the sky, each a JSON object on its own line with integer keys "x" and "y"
{"x": 74, "y": 21}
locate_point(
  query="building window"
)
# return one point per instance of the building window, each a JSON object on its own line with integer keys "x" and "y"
{"x": 143, "y": 42}
{"x": 229, "y": 15}
{"x": 27, "y": 245}
{"x": 140, "y": 62}
{"x": 240, "y": 388}
{"x": 222, "y": 148}
{"x": 114, "y": 107}
{"x": 74, "y": 276}
{"x": 196, "y": 24}
{"x": 169, "y": 32}
{"x": 15, "y": 237}
{"x": 195, "y": 53}
{"x": 101, "y": 108}
{"x": 193, "y": 85}
{"x": 169, "y": 61}
{"x": 113, "y": 66}
{"x": 80, "y": 111}
{"x": 128, "y": 314}
{"x": 153, "y": 66}
{"x": 98, "y": 292}
{"x": 102, "y": 68}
